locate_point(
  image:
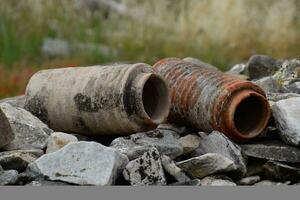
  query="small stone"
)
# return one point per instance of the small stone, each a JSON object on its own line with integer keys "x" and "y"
{"x": 269, "y": 183}
{"x": 82, "y": 163}
{"x": 57, "y": 140}
{"x": 189, "y": 143}
{"x": 272, "y": 150}
{"x": 24, "y": 178}
{"x": 16, "y": 160}
{"x": 280, "y": 96}
{"x": 286, "y": 114}
{"x": 199, "y": 62}
{"x": 288, "y": 75}
{"x": 281, "y": 172}
{"x": 8, "y": 177}
{"x": 137, "y": 144}
{"x": 17, "y": 101}
{"x": 176, "y": 130}
{"x": 268, "y": 84}
{"x": 29, "y": 132}
{"x": 145, "y": 170}
{"x": 195, "y": 182}
{"x": 249, "y": 180}
{"x": 217, "y": 180}
{"x": 255, "y": 167}
{"x": 207, "y": 164}
{"x": 262, "y": 65}
{"x": 294, "y": 87}
{"x": 217, "y": 142}
{"x": 172, "y": 169}
{"x": 239, "y": 69}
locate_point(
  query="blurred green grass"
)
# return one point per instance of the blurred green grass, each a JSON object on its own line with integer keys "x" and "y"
{"x": 219, "y": 32}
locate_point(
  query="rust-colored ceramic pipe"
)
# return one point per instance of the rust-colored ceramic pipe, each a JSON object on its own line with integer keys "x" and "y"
{"x": 99, "y": 100}
{"x": 212, "y": 100}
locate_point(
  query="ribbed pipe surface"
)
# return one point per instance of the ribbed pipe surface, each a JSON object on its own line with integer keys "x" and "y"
{"x": 99, "y": 100}
{"x": 212, "y": 100}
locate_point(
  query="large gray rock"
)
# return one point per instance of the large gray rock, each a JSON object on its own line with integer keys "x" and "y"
{"x": 57, "y": 140}
{"x": 281, "y": 172}
{"x": 217, "y": 180}
{"x": 272, "y": 150}
{"x": 217, "y": 142}
{"x": 6, "y": 132}
{"x": 29, "y": 132}
{"x": 262, "y": 65}
{"x": 8, "y": 177}
{"x": 17, "y": 101}
{"x": 17, "y": 160}
{"x": 207, "y": 164}
{"x": 135, "y": 145}
{"x": 286, "y": 114}
{"x": 145, "y": 170}
{"x": 268, "y": 84}
{"x": 82, "y": 163}
{"x": 172, "y": 169}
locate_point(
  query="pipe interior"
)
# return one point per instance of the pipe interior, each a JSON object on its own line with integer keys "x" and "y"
{"x": 156, "y": 98}
{"x": 250, "y": 115}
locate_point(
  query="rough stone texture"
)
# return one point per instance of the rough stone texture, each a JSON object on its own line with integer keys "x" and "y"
{"x": 137, "y": 144}
{"x": 195, "y": 182}
{"x": 270, "y": 183}
{"x": 288, "y": 75}
{"x": 286, "y": 114}
{"x": 17, "y": 101}
{"x": 207, "y": 164}
{"x": 281, "y": 96}
{"x": 294, "y": 87}
{"x": 24, "y": 178}
{"x": 82, "y": 163}
{"x": 145, "y": 170}
{"x": 272, "y": 150}
{"x": 262, "y": 65}
{"x": 43, "y": 182}
{"x": 57, "y": 140}
{"x": 29, "y": 132}
{"x": 8, "y": 177}
{"x": 189, "y": 143}
{"x": 217, "y": 180}
{"x": 268, "y": 84}
{"x": 281, "y": 172}
{"x": 172, "y": 169}
{"x": 17, "y": 160}
{"x": 249, "y": 180}
{"x": 217, "y": 142}
{"x": 6, "y": 133}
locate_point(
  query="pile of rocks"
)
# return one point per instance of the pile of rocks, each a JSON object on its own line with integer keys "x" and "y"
{"x": 168, "y": 155}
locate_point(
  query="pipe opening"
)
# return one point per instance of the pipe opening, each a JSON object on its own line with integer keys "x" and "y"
{"x": 251, "y": 115}
{"x": 156, "y": 98}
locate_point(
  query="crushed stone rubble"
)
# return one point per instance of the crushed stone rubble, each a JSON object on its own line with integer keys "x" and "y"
{"x": 145, "y": 128}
